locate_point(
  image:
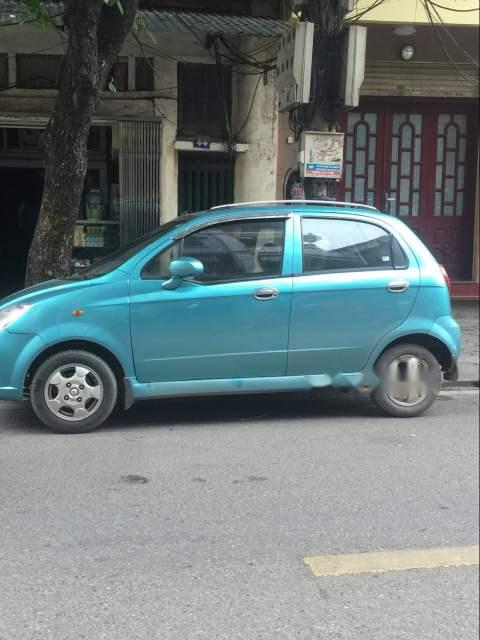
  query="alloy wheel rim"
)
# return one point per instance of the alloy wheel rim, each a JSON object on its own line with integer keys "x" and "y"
{"x": 74, "y": 392}
{"x": 407, "y": 383}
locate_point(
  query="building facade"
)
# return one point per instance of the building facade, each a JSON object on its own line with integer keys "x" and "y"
{"x": 183, "y": 130}
{"x": 411, "y": 147}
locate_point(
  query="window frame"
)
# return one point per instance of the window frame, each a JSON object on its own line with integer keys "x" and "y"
{"x": 5, "y": 81}
{"x": 392, "y": 237}
{"x": 148, "y": 63}
{"x": 27, "y": 58}
{"x": 189, "y": 130}
{"x": 204, "y": 226}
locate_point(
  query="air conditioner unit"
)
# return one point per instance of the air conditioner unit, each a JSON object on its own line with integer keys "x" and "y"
{"x": 352, "y": 69}
{"x": 294, "y": 66}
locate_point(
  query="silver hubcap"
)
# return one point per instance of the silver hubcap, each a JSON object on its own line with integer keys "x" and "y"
{"x": 73, "y": 392}
{"x": 407, "y": 380}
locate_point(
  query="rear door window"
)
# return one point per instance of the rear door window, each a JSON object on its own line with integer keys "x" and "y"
{"x": 344, "y": 245}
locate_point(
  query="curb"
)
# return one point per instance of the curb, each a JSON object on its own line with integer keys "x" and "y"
{"x": 452, "y": 384}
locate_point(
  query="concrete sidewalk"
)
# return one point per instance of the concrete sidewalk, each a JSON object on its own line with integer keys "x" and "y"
{"x": 466, "y": 314}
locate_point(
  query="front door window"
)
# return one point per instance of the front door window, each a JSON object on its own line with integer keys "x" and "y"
{"x": 230, "y": 251}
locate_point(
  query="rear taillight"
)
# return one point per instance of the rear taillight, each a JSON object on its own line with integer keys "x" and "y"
{"x": 446, "y": 277}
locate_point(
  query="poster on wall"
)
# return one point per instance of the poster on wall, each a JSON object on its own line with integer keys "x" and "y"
{"x": 322, "y": 155}
{"x": 297, "y": 191}
{"x": 293, "y": 187}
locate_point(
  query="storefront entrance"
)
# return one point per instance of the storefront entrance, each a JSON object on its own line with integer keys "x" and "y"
{"x": 21, "y": 188}
{"x": 417, "y": 161}
{"x": 21, "y": 195}
{"x": 204, "y": 180}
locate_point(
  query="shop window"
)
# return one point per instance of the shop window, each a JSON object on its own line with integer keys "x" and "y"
{"x": 30, "y": 139}
{"x": 204, "y": 95}
{"x": 143, "y": 74}
{"x": 96, "y": 139}
{"x": 3, "y": 70}
{"x": 39, "y": 71}
{"x": 24, "y": 139}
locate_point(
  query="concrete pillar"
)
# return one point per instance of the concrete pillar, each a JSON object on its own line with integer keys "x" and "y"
{"x": 256, "y": 170}
{"x": 166, "y": 110}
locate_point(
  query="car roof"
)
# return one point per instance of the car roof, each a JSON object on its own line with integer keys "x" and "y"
{"x": 297, "y": 203}
{"x": 288, "y": 207}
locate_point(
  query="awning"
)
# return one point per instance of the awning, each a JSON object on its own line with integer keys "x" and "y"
{"x": 169, "y": 20}
{"x": 184, "y": 21}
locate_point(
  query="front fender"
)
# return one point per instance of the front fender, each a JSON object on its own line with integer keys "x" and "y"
{"x": 103, "y": 318}
{"x": 117, "y": 343}
{"x": 18, "y": 351}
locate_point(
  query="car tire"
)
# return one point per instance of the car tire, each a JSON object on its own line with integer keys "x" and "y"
{"x": 73, "y": 392}
{"x": 431, "y": 372}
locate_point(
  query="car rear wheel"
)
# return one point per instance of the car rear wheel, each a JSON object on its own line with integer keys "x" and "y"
{"x": 410, "y": 379}
{"x": 73, "y": 392}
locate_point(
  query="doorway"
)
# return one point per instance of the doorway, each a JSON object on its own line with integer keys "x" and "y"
{"x": 205, "y": 180}
{"x": 21, "y": 190}
{"x": 417, "y": 161}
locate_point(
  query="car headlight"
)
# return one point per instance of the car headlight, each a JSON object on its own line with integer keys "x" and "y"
{"x": 10, "y": 314}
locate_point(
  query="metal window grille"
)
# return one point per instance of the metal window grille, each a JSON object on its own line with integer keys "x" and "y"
{"x": 139, "y": 173}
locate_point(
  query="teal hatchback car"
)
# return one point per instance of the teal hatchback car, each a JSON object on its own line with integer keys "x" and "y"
{"x": 244, "y": 298}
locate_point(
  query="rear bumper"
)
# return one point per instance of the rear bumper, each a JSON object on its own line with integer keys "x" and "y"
{"x": 446, "y": 329}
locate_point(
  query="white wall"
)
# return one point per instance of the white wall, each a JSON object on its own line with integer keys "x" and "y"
{"x": 256, "y": 170}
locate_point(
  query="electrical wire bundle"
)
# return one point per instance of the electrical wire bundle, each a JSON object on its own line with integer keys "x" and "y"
{"x": 329, "y": 19}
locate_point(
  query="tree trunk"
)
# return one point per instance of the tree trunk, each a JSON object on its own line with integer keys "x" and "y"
{"x": 96, "y": 33}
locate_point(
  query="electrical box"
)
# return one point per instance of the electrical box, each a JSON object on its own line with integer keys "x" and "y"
{"x": 321, "y": 155}
{"x": 294, "y": 66}
{"x": 352, "y": 72}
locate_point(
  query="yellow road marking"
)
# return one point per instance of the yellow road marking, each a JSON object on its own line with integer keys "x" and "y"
{"x": 394, "y": 560}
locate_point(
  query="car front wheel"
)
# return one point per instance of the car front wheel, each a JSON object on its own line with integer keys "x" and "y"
{"x": 73, "y": 392}
{"x": 410, "y": 380}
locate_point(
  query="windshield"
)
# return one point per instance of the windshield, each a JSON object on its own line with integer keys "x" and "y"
{"x": 116, "y": 258}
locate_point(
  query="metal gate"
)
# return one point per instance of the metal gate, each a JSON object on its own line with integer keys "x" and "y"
{"x": 139, "y": 178}
{"x": 204, "y": 180}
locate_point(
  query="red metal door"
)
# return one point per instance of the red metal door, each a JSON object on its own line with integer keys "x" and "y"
{"x": 405, "y": 175}
{"x": 414, "y": 162}
{"x": 451, "y": 188}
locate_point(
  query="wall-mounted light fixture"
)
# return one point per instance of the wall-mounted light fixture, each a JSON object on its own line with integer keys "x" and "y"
{"x": 404, "y": 30}
{"x": 408, "y": 52}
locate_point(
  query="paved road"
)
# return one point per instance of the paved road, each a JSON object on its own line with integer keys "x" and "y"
{"x": 191, "y": 521}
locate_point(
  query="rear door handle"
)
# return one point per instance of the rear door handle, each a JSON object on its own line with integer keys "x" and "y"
{"x": 265, "y": 293}
{"x": 397, "y": 286}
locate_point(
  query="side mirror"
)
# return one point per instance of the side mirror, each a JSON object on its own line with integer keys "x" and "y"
{"x": 180, "y": 269}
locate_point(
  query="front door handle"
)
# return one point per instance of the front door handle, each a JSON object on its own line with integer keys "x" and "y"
{"x": 265, "y": 293}
{"x": 397, "y": 286}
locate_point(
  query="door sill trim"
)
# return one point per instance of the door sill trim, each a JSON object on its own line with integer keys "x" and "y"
{"x": 135, "y": 390}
